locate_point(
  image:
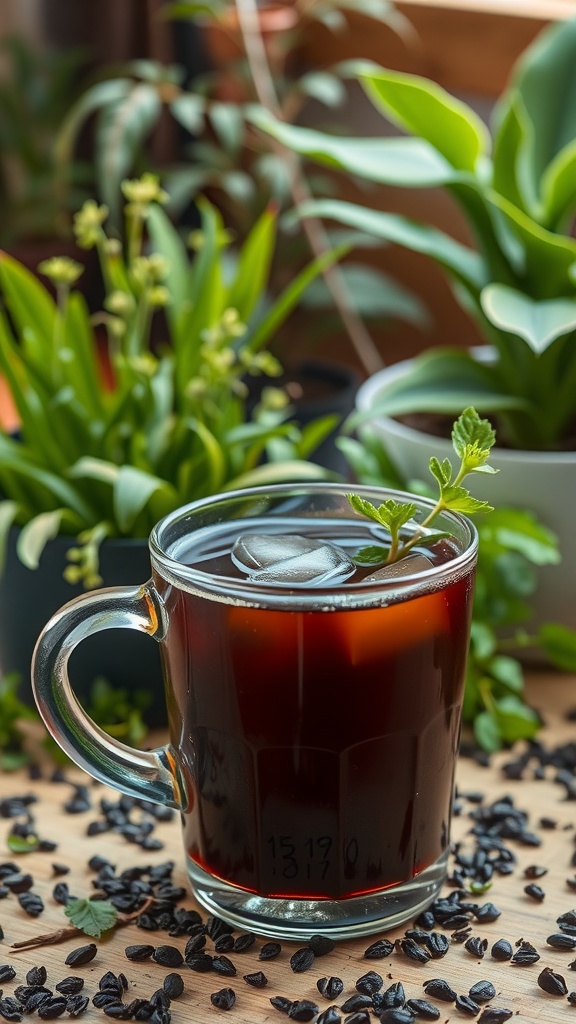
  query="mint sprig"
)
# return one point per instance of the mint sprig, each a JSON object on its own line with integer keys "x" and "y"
{"x": 91, "y": 916}
{"x": 473, "y": 439}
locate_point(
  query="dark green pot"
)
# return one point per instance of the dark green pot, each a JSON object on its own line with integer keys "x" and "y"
{"x": 29, "y": 597}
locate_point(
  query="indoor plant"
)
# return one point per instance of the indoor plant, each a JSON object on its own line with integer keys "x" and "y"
{"x": 131, "y": 416}
{"x": 517, "y": 188}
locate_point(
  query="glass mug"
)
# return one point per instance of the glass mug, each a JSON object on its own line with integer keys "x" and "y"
{"x": 314, "y": 708}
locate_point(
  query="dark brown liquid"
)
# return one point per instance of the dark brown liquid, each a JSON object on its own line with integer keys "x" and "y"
{"x": 318, "y": 747}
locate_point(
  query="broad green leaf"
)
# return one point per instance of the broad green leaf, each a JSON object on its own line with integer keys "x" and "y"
{"x": 91, "y": 916}
{"x": 84, "y": 370}
{"x": 411, "y": 163}
{"x": 471, "y": 432}
{"x": 279, "y": 472}
{"x": 424, "y": 109}
{"x": 14, "y": 457}
{"x": 133, "y": 489}
{"x": 103, "y": 94}
{"x": 189, "y": 110}
{"x": 166, "y": 241}
{"x": 459, "y": 500}
{"x": 510, "y": 170}
{"x": 312, "y": 434}
{"x": 121, "y": 130}
{"x": 558, "y": 189}
{"x": 487, "y": 732}
{"x": 35, "y": 535}
{"x": 95, "y": 469}
{"x": 8, "y": 513}
{"x": 31, "y": 306}
{"x": 538, "y": 322}
{"x": 370, "y": 461}
{"x": 322, "y": 86}
{"x": 515, "y": 529}
{"x": 215, "y": 467}
{"x": 549, "y": 256}
{"x": 206, "y": 290}
{"x": 228, "y": 123}
{"x": 482, "y": 639}
{"x": 559, "y": 644}
{"x": 507, "y": 671}
{"x": 515, "y": 720}
{"x": 253, "y": 267}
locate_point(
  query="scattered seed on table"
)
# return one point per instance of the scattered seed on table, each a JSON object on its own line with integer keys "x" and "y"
{"x": 115, "y": 1010}
{"x": 321, "y": 945}
{"x": 535, "y": 871}
{"x": 525, "y": 955}
{"x": 437, "y": 944}
{"x": 572, "y": 998}
{"x": 303, "y": 1009}
{"x": 330, "y": 988}
{"x": 70, "y": 986}
{"x": 535, "y": 892}
{"x": 110, "y": 982}
{"x": 173, "y": 985}
{"x": 7, "y": 972}
{"x": 562, "y": 941}
{"x": 102, "y": 999}
{"x": 244, "y": 942}
{"x": 18, "y": 882}
{"x": 76, "y": 1005}
{"x": 10, "y": 1009}
{"x": 216, "y": 927}
{"x": 225, "y": 944}
{"x": 141, "y": 951}
{"x": 36, "y": 976}
{"x": 502, "y": 950}
{"x": 359, "y": 1001}
{"x": 397, "y": 1015}
{"x": 369, "y": 983}
{"x": 440, "y": 989}
{"x": 302, "y": 960}
{"x": 379, "y": 949}
{"x": 487, "y": 912}
{"x": 495, "y": 1015}
{"x": 567, "y": 921}
{"x": 476, "y": 946}
{"x": 168, "y": 956}
{"x": 467, "y": 1005}
{"x": 423, "y": 1009}
{"x": 81, "y": 955}
{"x": 552, "y": 983}
{"x": 257, "y": 979}
{"x": 222, "y": 965}
{"x": 269, "y": 951}
{"x": 413, "y": 951}
{"x": 199, "y": 962}
{"x": 329, "y": 1016}
{"x": 393, "y": 996}
{"x": 31, "y": 903}
{"x": 482, "y": 992}
{"x": 52, "y": 1008}
{"x": 281, "y": 1003}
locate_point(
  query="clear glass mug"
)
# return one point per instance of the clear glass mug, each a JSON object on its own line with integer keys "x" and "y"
{"x": 314, "y": 712}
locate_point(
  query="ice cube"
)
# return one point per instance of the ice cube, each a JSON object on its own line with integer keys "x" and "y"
{"x": 275, "y": 558}
{"x": 257, "y": 550}
{"x": 403, "y": 567}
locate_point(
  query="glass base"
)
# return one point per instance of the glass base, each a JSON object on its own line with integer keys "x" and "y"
{"x": 299, "y": 919}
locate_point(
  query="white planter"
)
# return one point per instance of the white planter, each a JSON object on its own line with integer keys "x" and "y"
{"x": 541, "y": 482}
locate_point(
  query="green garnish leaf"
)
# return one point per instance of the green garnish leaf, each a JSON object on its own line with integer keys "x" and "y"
{"x": 479, "y": 887}
{"x": 372, "y": 554}
{"x": 92, "y": 916}
{"x": 22, "y": 844}
{"x": 458, "y": 499}
{"x": 391, "y": 513}
{"x": 441, "y": 470}
{"x": 473, "y": 439}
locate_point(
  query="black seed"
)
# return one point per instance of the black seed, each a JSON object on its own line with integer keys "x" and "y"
{"x": 269, "y": 951}
{"x": 224, "y": 999}
{"x": 494, "y": 1015}
{"x": 244, "y": 942}
{"x": 440, "y": 989}
{"x": 200, "y": 962}
{"x": 425, "y": 919}
{"x": 216, "y": 927}
{"x": 393, "y": 996}
{"x": 476, "y": 946}
{"x": 7, "y": 972}
{"x": 525, "y": 955}
{"x": 422, "y": 1008}
{"x": 196, "y": 944}
{"x": 534, "y": 871}
{"x": 76, "y": 1005}
{"x": 329, "y": 1016}
{"x": 330, "y": 988}
{"x": 225, "y": 944}
{"x": 222, "y": 965}
{"x": 567, "y": 921}
{"x": 70, "y": 986}
{"x": 109, "y": 982}
{"x": 60, "y": 869}
{"x": 502, "y": 950}
{"x": 466, "y": 1005}
{"x": 168, "y": 956}
{"x": 380, "y": 949}
{"x": 369, "y": 983}
{"x": 534, "y": 891}
{"x": 257, "y": 979}
{"x": 571, "y": 997}
{"x": 359, "y": 1001}
{"x": 31, "y": 903}
{"x": 482, "y": 992}
{"x": 81, "y": 955}
{"x": 281, "y": 1003}
{"x": 302, "y": 1009}
{"x": 102, "y": 999}
{"x": 397, "y": 1015}
{"x": 36, "y": 976}
{"x": 10, "y": 1009}
{"x": 412, "y": 950}
{"x": 116, "y": 1010}
{"x": 437, "y": 945}
{"x": 173, "y": 985}
{"x": 52, "y": 1008}
{"x": 36, "y": 999}
{"x": 18, "y": 882}
{"x": 141, "y": 951}
{"x": 561, "y": 941}
{"x": 321, "y": 945}
{"x": 302, "y": 960}
{"x": 552, "y": 983}
{"x": 487, "y": 912}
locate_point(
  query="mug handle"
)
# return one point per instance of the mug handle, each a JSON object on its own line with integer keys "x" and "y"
{"x": 148, "y": 774}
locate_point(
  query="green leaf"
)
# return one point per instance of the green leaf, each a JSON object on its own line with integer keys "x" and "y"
{"x": 459, "y": 500}
{"x": 133, "y": 488}
{"x": 8, "y": 513}
{"x": 487, "y": 732}
{"x": 189, "y": 110}
{"x": 279, "y": 472}
{"x": 558, "y": 188}
{"x": 372, "y": 554}
{"x": 517, "y": 530}
{"x": 511, "y": 139}
{"x": 253, "y": 268}
{"x": 538, "y": 322}
{"x": 121, "y": 129}
{"x": 425, "y": 109}
{"x": 391, "y": 514}
{"x": 559, "y": 644}
{"x": 507, "y": 671}
{"x": 22, "y": 844}
{"x": 31, "y": 306}
{"x": 166, "y": 241}
{"x": 442, "y": 472}
{"x": 473, "y": 439}
{"x": 35, "y": 534}
{"x": 515, "y": 720}
{"x": 228, "y": 123}
{"x": 91, "y": 916}
{"x": 322, "y": 86}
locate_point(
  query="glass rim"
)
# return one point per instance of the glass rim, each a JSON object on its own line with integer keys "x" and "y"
{"x": 344, "y": 595}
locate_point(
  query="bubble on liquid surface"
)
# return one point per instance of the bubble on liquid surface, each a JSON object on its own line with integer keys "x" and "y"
{"x": 403, "y": 567}
{"x": 290, "y": 559}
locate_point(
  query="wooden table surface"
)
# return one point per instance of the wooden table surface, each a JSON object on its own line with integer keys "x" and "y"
{"x": 522, "y": 917}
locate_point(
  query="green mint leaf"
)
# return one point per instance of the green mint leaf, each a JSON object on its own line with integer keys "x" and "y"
{"x": 391, "y": 513}
{"x": 433, "y": 537}
{"x": 473, "y": 437}
{"x": 460, "y": 500}
{"x": 516, "y": 720}
{"x": 364, "y": 508}
{"x": 372, "y": 554}
{"x": 92, "y": 916}
{"x": 507, "y": 671}
{"x": 22, "y": 844}
{"x": 487, "y": 732}
{"x": 442, "y": 471}
{"x": 559, "y": 644}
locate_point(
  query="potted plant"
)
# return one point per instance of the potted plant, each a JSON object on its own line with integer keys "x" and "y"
{"x": 127, "y": 415}
{"x": 516, "y": 185}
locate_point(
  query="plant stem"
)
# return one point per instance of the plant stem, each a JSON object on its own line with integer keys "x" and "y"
{"x": 71, "y": 931}
{"x": 314, "y": 230}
